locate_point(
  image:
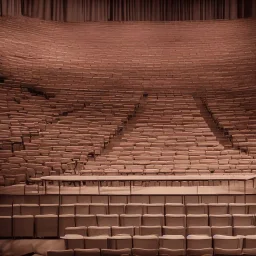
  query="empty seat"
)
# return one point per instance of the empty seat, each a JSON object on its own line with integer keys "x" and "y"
{"x": 9, "y": 210}
{"x": 237, "y": 208}
{"x": 130, "y": 220}
{"x": 222, "y": 230}
{"x": 6, "y": 226}
{"x": 49, "y": 199}
{"x": 128, "y": 230}
{"x": 108, "y": 220}
{"x": 196, "y": 209}
{"x": 197, "y": 220}
{"x": 29, "y": 209}
{"x": 60, "y": 253}
{"x": 144, "y": 252}
{"x": 155, "y": 209}
{"x": 227, "y": 245}
{"x": 175, "y": 230}
{"x": 98, "y": 231}
{"x": 134, "y": 208}
{"x": 82, "y": 208}
{"x": 86, "y": 220}
{"x": 199, "y": 245}
{"x": 116, "y": 209}
{"x": 98, "y": 208}
{"x": 244, "y": 230}
{"x": 116, "y": 252}
{"x": 87, "y": 252}
{"x": 66, "y": 220}
{"x": 172, "y": 208}
{"x": 243, "y": 220}
{"x": 174, "y": 220}
{"x": 82, "y": 230}
{"x": 220, "y": 220}
{"x": 251, "y": 208}
{"x": 74, "y": 241}
{"x": 67, "y": 209}
{"x": 249, "y": 245}
{"x": 49, "y": 209}
{"x": 204, "y": 230}
{"x": 172, "y": 245}
{"x": 23, "y": 226}
{"x": 120, "y": 242}
{"x": 16, "y": 209}
{"x": 99, "y": 242}
{"x": 218, "y": 209}
{"x": 153, "y": 220}
{"x": 148, "y": 230}
{"x": 145, "y": 242}
{"x": 46, "y": 226}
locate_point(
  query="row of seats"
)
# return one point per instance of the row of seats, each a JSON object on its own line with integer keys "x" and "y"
{"x": 170, "y": 123}
{"x": 235, "y": 113}
{"x": 24, "y": 225}
{"x": 161, "y": 230}
{"x": 36, "y": 129}
{"x": 149, "y": 148}
{"x": 89, "y": 66}
{"x": 171, "y": 135}
{"x": 168, "y": 244}
{"x": 153, "y": 146}
{"x": 131, "y": 208}
{"x": 41, "y": 199}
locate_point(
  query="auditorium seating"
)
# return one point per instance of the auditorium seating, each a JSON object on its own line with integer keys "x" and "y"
{"x": 94, "y": 109}
{"x": 108, "y": 99}
{"x": 231, "y": 245}
{"x": 16, "y": 218}
{"x": 183, "y": 55}
{"x": 150, "y": 144}
{"x": 111, "y": 213}
{"x": 235, "y": 114}
{"x": 173, "y": 203}
{"x": 44, "y": 133}
{"x": 154, "y": 145}
{"x": 175, "y": 245}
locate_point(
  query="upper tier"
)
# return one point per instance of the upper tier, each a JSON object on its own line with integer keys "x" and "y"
{"x": 151, "y": 55}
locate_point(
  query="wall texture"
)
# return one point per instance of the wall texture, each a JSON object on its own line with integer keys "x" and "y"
{"x": 151, "y": 55}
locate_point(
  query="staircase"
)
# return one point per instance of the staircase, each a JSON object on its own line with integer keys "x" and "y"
{"x": 219, "y": 134}
{"x": 127, "y": 127}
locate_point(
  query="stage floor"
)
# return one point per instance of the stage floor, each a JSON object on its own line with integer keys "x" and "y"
{"x": 234, "y": 188}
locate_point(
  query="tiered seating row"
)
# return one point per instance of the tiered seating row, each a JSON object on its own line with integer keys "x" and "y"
{"x": 164, "y": 245}
{"x": 136, "y": 62}
{"x": 131, "y": 208}
{"x": 126, "y": 199}
{"x": 51, "y": 225}
{"x": 43, "y": 127}
{"x": 171, "y": 136}
{"x": 235, "y": 113}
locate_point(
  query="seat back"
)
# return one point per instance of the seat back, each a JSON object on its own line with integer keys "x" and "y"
{"x": 120, "y": 242}
{"x": 173, "y": 242}
{"x": 82, "y": 230}
{"x": 173, "y": 220}
{"x": 46, "y": 226}
{"x": 146, "y": 242}
{"x": 60, "y": 253}
{"x": 108, "y": 220}
{"x": 227, "y": 242}
{"x": 130, "y": 220}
